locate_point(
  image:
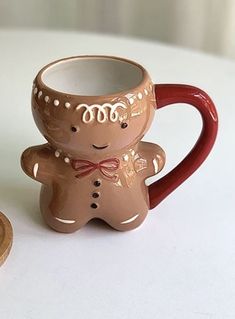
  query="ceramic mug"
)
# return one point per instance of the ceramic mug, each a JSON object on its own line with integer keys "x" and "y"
{"x": 93, "y": 111}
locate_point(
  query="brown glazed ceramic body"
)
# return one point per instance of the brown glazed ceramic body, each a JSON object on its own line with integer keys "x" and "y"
{"x": 93, "y": 111}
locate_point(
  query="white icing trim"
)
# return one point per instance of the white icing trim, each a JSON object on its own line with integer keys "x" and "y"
{"x": 67, "y": 105}
{"x": 136, "y": 156}
{"x": 131, "y": 100}
{"x": 65, "y": 221}
{"x": 155, "y": 165}
{"x": 135, "y": 114}
{"x": 56, "y": 102}
{"x": 130, "y": 219}
{"x": 57, "y": 153}
{"x": 39, "y": 94}
{"x": 118, "y": 183}
{"x": 35, "y": 170}
{"x": 146, "y": 92}
{"x": 88, "y": 114}
{"x": 140, "y": 96}
{"x": 35, "y": 91}
{"x": 125, "y": 157}
{"x": 67, "y": 160}
{"x": 46, "y": 98}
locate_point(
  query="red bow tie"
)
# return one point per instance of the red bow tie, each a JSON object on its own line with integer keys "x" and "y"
{"x": 106, "y": 167}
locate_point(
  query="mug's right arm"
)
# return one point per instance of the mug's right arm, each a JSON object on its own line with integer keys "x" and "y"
{"x": 37, "y": 163}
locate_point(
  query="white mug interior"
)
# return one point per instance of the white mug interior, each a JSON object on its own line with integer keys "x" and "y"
{"x": 92, "y": 76}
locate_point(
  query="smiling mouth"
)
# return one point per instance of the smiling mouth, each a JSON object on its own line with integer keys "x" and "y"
{"x": 99, "y": 147}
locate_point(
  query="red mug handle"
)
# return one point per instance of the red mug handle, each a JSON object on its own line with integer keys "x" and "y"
{"x": 178, "y": 93}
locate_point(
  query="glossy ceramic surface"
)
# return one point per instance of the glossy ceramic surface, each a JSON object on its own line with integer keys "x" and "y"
{"x": 177, "y": 93}
{"x": 94, "y": 111}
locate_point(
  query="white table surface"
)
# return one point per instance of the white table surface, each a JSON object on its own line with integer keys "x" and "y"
{"x": 181, "y": 262}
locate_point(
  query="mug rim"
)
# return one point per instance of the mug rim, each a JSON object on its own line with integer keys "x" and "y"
{"x": 145, "y": 76}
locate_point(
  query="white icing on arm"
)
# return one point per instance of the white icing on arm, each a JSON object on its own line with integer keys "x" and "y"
{"x": 155, "y": 165}
{"x": 35, "y": 170}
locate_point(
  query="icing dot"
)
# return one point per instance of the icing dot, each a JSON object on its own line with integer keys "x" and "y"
{"x": 131, "y": 100}
{"x": 132, "y": 152}
{"x": 146, "y": 91}
{"x": 46, "y": 99}
{"x": 67, "y": 160}
{"x": 57, "y": 153}
{"x": 39, "y": 94}
{"x": 67, "y": 105}
{"x": 150, "y": 86}
{"x": 125, "y": 157}
{"x": 35, "y": 90}
{"x": 56, "y": 102}
{"x": 140, "y": 96}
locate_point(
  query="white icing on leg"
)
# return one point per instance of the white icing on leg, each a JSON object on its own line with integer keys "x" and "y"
{"x": 130, "y": 219}
{"x": 65, "y": 221}
{"x": 35, "y": 170}
{"x": 155, "y": 165}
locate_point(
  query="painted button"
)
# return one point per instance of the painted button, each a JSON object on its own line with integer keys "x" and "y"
{"x": 95, "y": 195}
{"x": 94, "y": 205}
{"x": 97, "y": 183}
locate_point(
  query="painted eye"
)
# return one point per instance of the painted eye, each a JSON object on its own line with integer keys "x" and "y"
{"x": 124, "y": 125}
{"x": 74, "y": 129}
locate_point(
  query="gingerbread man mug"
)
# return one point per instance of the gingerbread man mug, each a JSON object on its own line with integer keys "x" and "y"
{"x": 93, "y": 111}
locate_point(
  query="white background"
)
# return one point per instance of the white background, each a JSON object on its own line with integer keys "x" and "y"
{"x": 181, "y": 262}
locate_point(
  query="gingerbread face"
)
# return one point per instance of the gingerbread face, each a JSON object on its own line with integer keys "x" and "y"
{"x": 91, "y": 124}
{"x": 96, "y": 128}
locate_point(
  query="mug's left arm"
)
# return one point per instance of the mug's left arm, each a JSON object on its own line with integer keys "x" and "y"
{"x": 36, "y": 162}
